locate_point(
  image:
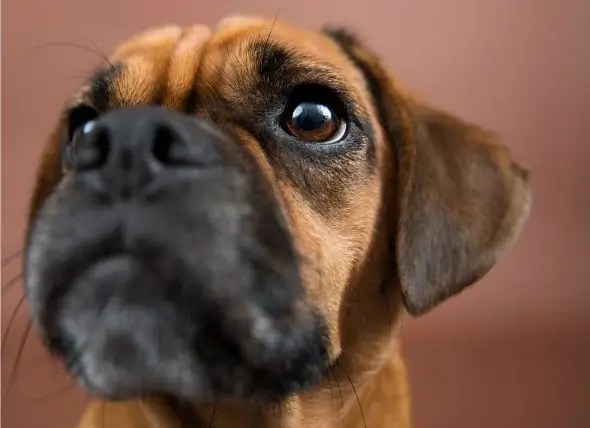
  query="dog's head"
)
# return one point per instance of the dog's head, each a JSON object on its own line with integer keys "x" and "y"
{"x": 226, "y": 216}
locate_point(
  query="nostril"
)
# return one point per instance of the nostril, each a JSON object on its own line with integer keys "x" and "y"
{"x": 94, "y": 152}
{"x": 170, "y": 149}
{"x": 162, "y": 148}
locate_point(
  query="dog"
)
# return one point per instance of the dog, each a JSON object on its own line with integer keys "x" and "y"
{"x": 204, "y": 251}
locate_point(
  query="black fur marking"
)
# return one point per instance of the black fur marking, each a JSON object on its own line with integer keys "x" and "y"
{"x": 101, "y": 86}
{"x": 271, "y": 57}
{"x": 189, "y": 104}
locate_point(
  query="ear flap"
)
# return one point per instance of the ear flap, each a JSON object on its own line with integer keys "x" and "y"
{"x": 462, "y": 201}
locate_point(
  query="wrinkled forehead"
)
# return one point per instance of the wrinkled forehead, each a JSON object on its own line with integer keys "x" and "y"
{"x": 167, "y": 65}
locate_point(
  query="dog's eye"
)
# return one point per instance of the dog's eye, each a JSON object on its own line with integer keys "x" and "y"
{"x": 315, "y": 114}
{"x": 79, "y": 123}
{"x": 314, "y": 122}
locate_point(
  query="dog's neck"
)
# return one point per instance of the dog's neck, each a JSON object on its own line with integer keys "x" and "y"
{"x": 370, "y": 391}
{"x": 366, "y": 388}
{"x": 378, "y": 399}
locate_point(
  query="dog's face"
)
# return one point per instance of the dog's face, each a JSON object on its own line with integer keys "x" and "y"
{"x": 227, "y": 216}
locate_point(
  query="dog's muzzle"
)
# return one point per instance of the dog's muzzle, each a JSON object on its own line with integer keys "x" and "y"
{"x": 161, "y": 263}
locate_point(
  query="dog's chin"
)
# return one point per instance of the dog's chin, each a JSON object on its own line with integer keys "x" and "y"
{"x": 126, "y": 332}
{"x": 112, "y": 342}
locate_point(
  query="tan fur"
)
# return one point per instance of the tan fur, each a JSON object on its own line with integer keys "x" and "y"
{"x": 349, "y": 246}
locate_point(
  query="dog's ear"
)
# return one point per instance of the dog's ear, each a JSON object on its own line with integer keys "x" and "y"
{"x": 462, "y": 200}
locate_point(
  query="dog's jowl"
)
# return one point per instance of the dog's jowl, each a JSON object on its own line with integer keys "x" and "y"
{"x": 228, "y": 226}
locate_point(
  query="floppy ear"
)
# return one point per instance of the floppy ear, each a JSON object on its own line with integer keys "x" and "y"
{"x": 462, "y": 200}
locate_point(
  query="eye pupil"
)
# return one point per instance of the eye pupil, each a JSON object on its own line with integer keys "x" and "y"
{"x": 309, "y": 117}
{"x": 313, "y": 122}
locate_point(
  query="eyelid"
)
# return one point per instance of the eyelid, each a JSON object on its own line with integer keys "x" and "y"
{"x": 333, "y": 97}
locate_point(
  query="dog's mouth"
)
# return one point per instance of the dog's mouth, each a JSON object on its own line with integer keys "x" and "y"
{"x": 147, "y": 322}
{"x": 192, "y": 292}
{"x": 120, "y": 338}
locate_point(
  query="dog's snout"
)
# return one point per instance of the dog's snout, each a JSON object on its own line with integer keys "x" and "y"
{"x": 126, "y": 150}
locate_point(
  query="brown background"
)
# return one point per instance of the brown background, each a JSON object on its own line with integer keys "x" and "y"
{"x": 513, "y": 351}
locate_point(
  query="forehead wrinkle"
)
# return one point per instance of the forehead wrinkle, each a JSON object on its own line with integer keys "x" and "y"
{"x": 137, "y": 84}
{"x": 183, "y": 65}
{"x": 157, "y": 66}
{"x": 145, "y": 60}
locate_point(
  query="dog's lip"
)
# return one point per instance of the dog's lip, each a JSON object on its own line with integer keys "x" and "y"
{"x": 105, "y": 263}
{"x": 93, "y": 268}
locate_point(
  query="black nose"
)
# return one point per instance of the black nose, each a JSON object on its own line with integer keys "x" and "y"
{"x": 125, "y": 151}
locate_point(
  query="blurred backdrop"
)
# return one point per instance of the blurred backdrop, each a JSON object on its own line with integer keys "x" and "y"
{"x": 511, "y": 352}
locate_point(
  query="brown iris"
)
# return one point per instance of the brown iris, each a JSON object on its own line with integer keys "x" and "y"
{"x": 313, "y": 122}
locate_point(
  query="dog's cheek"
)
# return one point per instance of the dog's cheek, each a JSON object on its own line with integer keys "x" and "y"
{"x": 38, "y": 249}
{"x": 320, "y": 261}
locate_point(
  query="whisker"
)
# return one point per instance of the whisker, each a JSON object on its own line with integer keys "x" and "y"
{"x": 79, "y": 46}
{"x": 11, "y": 257}
{"x": 99, "y": 51}
{"x": 270, "y": 31}
{"x": 358, "y": 401}
{"x": 6, "y": 287}
{"x": 341, "y": 396}
{"x": 212, "y": 417}
{"x": 18, "y": 358}
{"x": 51, "y": 395}
{"x": 9, "y": 325}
